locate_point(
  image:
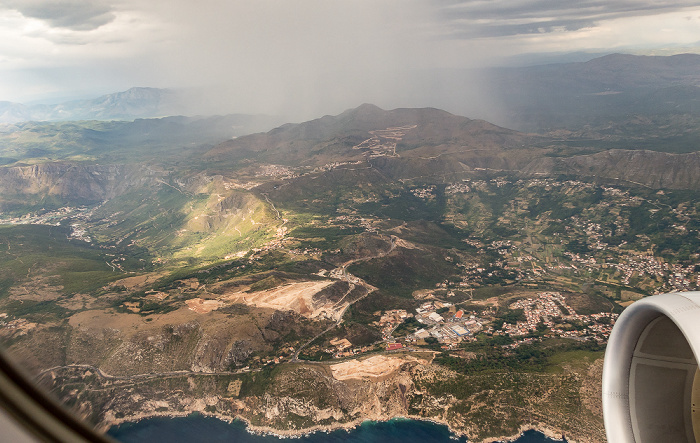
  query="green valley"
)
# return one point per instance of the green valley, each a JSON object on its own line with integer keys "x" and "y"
{"x": 373, "y": 264}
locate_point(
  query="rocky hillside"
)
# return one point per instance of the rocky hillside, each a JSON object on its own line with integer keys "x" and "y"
{"x": 298, "y": 397}
{"x": 72, "y": 183}
{"x": 654, "y": 169}
{"x": 126, "y": 105}
{"x": 407, "y": 143}
{"x": 369, "y": 130}
{"x": 264, "y": 277}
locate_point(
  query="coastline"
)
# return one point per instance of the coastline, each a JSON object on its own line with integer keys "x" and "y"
{"x": 348, "y": 426}
{"x": 546, "y": 431}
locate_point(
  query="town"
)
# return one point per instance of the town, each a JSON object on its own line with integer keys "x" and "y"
{"x": 551, "y": 310}
{"x": 547, "y": 315}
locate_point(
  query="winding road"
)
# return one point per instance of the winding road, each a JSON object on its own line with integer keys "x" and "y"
{"x": 341, "y": 274}
{"x": 106, "y": 376}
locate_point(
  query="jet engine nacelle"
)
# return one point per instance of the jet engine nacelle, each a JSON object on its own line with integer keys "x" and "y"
{"x": 651, "y": 382}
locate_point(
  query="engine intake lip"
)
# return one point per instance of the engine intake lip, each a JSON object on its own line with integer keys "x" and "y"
{"x": 650, "y": 370}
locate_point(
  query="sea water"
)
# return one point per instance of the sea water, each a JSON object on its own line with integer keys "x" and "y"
{"x": 197, "y": 428}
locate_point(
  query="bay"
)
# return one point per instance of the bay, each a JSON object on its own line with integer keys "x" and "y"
{"x": 198, "y": 428}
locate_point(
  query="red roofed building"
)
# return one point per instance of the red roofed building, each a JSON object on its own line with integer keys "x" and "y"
{"x": 459, "y": 314}
{"x": 393, "y": 346}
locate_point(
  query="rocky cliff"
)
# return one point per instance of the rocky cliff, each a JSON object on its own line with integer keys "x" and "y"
{"x": 75, "y": 183}
{"x": 648, "y": 168}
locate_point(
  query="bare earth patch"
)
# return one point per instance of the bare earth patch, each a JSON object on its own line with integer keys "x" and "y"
{"x": 201, "y": 306}
{"x": 132, "y": 306}
{"x": 157, "y": 295}
{"x": 98, "y": 320}
{"x": 77, "y": 301}
{"x": 401, "y": 243}
{"x": 18, "y": 326}
{"x": 374, "y": 367}
{"x": 138, "y": 282}
{"x": 38, "y": 289}
{"x": 493, "y": 301}
{"x": 591, "y": 388}
{"x": 296, "y": 297}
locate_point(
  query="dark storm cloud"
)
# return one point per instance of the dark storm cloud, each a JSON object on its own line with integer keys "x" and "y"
{"x": 495, "y": 18}
{"x": 305, "y": 58}
{"x": 76, "y": 15}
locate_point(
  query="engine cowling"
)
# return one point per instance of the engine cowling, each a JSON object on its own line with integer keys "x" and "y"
{"x": 651, "y": 382}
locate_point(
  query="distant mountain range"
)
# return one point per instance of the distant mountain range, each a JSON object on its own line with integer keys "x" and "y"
{"x": 204, "y": 264}
{"x": 121, "y": 141}
{"x": 398, "y": 144}
{"x": 412, "y": 132}
{"x": 609, "y": 89}
{"x": 126, "y": 105}
{"x": 406, "y": 143}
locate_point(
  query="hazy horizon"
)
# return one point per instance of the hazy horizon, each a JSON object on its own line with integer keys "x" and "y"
{"x": 302, "y": 59}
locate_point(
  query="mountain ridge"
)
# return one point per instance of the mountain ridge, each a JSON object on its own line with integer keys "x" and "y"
{"x": 143, "y": 102}
{"x": 530, "y": 98}
{"x": 349, "y": 135}
{"x": 183, "y": 265}
{"x": 593, "y": 93}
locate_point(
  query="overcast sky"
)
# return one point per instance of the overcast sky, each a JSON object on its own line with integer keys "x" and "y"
{"x": 315, "y": 56}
